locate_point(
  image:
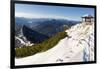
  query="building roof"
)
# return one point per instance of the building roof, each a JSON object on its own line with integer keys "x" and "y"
{"x": 87, "y": 15}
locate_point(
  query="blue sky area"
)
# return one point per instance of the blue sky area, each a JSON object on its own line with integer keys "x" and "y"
{"x": 44, "y": 11}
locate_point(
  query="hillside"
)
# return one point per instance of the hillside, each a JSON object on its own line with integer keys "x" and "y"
{"x": 42, "y": 27}
{"x": 77, "y": 47}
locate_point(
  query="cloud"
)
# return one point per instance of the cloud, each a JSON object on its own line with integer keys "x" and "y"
{"x": 37, "y": 15}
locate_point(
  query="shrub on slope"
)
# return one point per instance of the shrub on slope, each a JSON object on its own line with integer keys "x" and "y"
{"x": 41, "y": 47}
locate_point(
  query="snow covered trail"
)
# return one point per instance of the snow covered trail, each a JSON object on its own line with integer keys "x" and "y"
{"x": 74, "y": 48}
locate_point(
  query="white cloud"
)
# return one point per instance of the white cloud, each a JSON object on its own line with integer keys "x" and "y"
{"x": 37, "y": 15}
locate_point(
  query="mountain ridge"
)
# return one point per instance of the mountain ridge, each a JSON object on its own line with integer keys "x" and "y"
{"x": 78, "y": 47}
{"x": 48, "y": 27}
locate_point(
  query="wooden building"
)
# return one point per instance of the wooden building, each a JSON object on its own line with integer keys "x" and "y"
{"x": 87, "y": 18}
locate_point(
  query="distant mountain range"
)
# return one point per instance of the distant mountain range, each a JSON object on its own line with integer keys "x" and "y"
{"x": 38, "y": 29}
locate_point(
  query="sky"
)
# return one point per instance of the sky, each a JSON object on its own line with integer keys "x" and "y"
{"x": 45, "y": 11}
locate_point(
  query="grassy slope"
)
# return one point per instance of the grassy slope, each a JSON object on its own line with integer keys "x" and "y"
{"x": 41, "y": 47}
